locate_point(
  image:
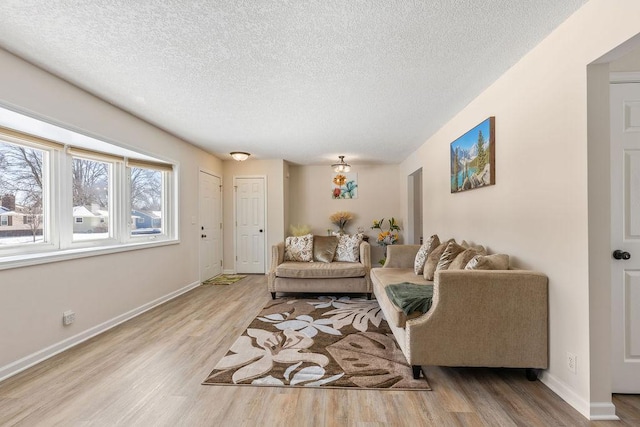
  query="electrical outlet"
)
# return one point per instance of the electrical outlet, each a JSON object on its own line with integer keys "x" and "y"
{"x": 571, "y": 362}
{"x": 68, "y": 317}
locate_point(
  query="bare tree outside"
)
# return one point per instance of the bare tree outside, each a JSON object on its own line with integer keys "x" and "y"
{"x": 146, "y": 189}
{"x": 90, "y": 183}
{"x": 21, "y": 180}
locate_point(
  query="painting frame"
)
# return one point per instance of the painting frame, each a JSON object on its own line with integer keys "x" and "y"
{"x": 473, "y": 158}
{"x": 344, "y": 185}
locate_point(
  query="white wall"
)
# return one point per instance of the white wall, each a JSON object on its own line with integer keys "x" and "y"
{"x": 102, "y": 288}
{"x": 378, "y": 197}
{"x": 538, "y": 211}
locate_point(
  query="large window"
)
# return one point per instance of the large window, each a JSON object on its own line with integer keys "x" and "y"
{"x": 56, "y": 196}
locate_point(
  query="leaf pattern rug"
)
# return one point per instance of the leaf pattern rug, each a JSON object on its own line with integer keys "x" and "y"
{"x": 318, "y": 342}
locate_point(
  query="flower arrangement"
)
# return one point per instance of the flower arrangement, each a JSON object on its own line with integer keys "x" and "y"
{"x": 341, "y": 218}
{"x": 299, "y": 230}
{"x": 386, "y": 237}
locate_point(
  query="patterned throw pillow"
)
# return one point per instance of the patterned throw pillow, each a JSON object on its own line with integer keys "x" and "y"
{"x": 423, "y": 253}
{"x": 449, "y": 255}
{"x": 348, "y": 249}
{"x": 463, "y": 259}
{"x": 489, "y": 262}
{"x": 433, "y": 258}
{"x": 299, "y": 248}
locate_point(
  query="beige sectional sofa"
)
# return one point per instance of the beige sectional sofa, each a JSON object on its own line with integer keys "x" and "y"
{"x": 488, "y": 318}
{"x": 325, "y": 277}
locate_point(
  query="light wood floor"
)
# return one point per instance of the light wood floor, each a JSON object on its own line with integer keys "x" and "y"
{"x": 147, "y": 372}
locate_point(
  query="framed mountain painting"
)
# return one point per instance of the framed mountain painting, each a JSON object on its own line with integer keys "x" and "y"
{"x": 473, "y": 158}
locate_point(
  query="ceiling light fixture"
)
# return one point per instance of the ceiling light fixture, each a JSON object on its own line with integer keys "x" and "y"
{"x": 341, "y": 166}
{"x": 239, "y": 156}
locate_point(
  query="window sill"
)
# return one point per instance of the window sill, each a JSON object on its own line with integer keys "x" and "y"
{"x": 25, "y": 260}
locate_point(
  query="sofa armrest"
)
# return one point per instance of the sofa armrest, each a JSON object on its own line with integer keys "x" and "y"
{"x": 401, "y": 256}
{"x": 495, "y": 318}
{"x": 365, "y": 259}
{"x": 365, "y": 254}
{"x": 277, "y": 258}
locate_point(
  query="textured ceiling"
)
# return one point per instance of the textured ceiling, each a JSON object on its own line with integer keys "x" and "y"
{"x": 299, "y": 80}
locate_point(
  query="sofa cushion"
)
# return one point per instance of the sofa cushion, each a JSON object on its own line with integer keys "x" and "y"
{"x": 381, "y": 278}
{"x": 449, "y": 255}
{"x": 299, "y": 248}
{"x": 324, "y": 248}
{"x": 488, "y": 262}
{"x": 348, "y": 249}
{"x": 464, "y": 257}
{"x": 423, "y": 253}
{"x": 320, "y": 270}
{"x": 433, "y": 258}
{"x": 468, "y": 245}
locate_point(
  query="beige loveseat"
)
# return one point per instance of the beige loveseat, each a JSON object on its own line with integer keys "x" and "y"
{"x": 325, "y": 277}
{"x": 480, "y": 318}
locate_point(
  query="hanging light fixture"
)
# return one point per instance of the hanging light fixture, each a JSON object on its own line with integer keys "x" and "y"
{"x": 341, "y": 166}
{"x": 239, "y": 156}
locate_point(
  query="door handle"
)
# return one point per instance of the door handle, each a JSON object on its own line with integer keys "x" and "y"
{"x": 261, "y": 230}
{"x": 618, "y": 254}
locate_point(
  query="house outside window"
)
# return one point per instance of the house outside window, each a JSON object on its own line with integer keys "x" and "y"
{"x": 23, "y": 177}
{"x": 148, "y": 201}
{"x": 91, "y": 179}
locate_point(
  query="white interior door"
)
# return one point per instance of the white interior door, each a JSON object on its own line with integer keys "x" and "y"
{"x": 210, "y": 226}
{"x": 625, "y": 236}
{"x": 250, "y": 225}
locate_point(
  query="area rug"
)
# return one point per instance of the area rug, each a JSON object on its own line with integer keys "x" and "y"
{"x": 224, "y": 279}
{"x": 317, "y": 342}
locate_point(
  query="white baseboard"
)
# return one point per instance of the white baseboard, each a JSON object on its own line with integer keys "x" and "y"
{"x": 228, "y": 271}
{"x": 600, "y": 411}
{"x": 41, "y": 355}
{"x": 603, "y": 411}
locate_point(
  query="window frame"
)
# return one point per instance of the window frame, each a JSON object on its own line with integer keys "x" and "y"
{"x": 57, "y": 202}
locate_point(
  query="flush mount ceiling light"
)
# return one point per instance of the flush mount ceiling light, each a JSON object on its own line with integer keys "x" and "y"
{"x": 341, "y": 166}
{"x": 240, "y": 156}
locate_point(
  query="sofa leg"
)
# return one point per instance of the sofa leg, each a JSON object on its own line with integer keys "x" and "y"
{"x": 369, "y": 295}
{"x": 416, "y": 371}
{"x": 273, "y": 295}
{"x": 532, "y": 374}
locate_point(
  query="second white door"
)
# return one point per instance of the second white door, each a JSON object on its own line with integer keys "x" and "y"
{"x": 210, "y": 228}
{"x": 250, "y": 225}
{"x": 625, "y": 237}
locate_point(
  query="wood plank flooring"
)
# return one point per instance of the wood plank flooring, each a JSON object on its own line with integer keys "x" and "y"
{"x": 147, "y": 372}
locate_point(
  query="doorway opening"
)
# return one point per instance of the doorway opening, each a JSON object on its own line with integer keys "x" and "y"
{"x": 414, "y": 187}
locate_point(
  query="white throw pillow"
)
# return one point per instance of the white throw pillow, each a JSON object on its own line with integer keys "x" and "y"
{"x": 423, "y": 253}
{"x": 348, "y": 249}
{"x": 299, "y": 248}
